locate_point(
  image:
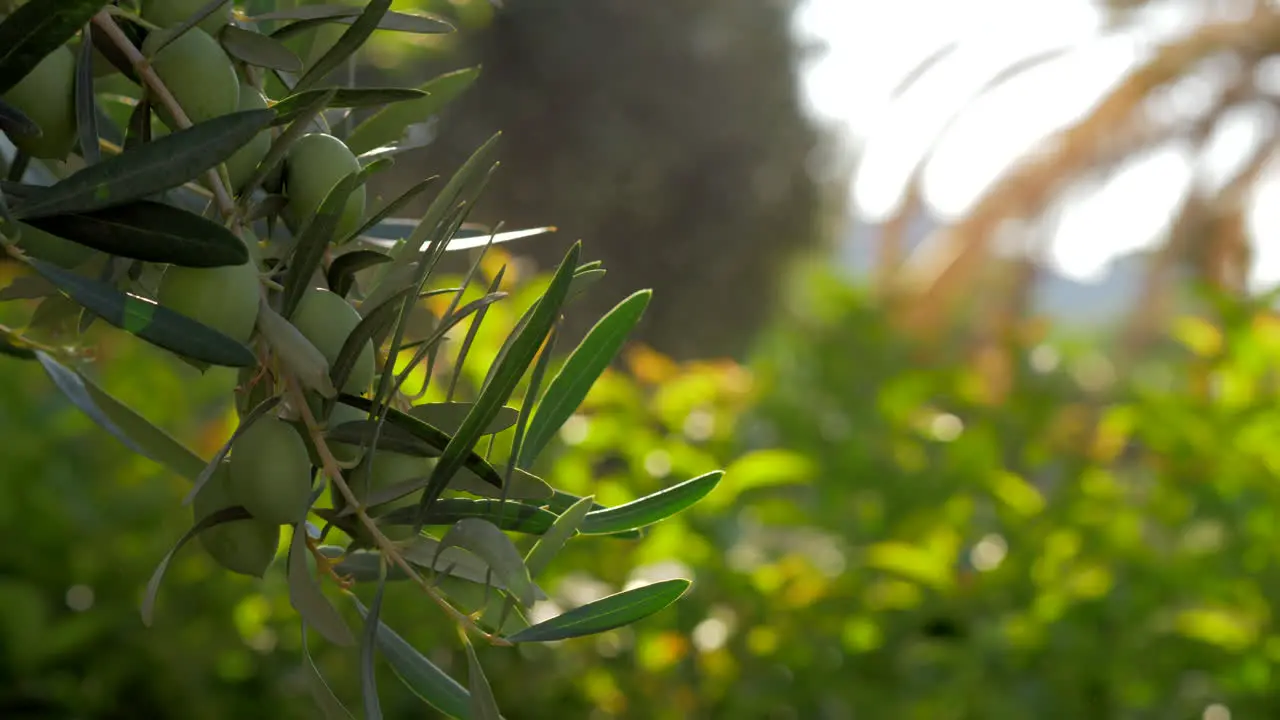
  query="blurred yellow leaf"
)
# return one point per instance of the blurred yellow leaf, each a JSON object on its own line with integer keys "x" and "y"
{"x": 916, "y": 563}
{"x": 648, "y": 365}
{"x": 761, "y": 468}
{"x": 1229, "y": 629}
{"x": 1019, "y": 495}
{"x": 1198, "y": 335}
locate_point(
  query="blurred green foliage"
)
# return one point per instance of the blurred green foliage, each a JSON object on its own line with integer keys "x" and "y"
{"x": 887, "y": 542}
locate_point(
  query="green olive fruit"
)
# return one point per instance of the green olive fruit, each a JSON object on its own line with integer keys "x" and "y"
{"x": 47, "y": 96}
{"x": 326, "y": 319}
{"x": 224, "y": 298}
{"x": 242, "y": 164}
{"x": 270, "y": 472}
{"x": 49, "y": 247}
{"x": 246, "y": 547}
{"x": 173, "y": 12}
{"x": 198, "y": 73}
{"x": 313, "y": 165}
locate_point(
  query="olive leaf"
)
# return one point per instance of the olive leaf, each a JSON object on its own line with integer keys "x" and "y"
{"x": 651, "y": 508}
{"x": 308, "y": 16}
{"x": 154, "y": 323}
{"x": 15, "y": 122}
{"x": 306, "y": 598}
{"x": 510, "y": 369}
{"x": 570, "y": 386}
{"x": 348, "y": 43}
{"x": 86, "y": 106}
{"x": 368, "y": 644}
{"x": 449, "y": 416}
{"x": 507, "y": 515}
{"x": 149, "y": 169}
{"x": 387, "y": 125}
{"x": 606, "y": 613}
{"x": 483, "y": 704}
{"x": 342, "y": 271}
{"x": 291, "y": 107}
{"x": 431, "y": 684}
{"x": 487, "y": 542}
{"x": 554, "y": 539}
{"x": 321, "y": 693}
{"x": 259, "y": 50}
{"x": 151, "y": 232}
{"x": 225, "y": 515}
{"x": 295, "y": 351}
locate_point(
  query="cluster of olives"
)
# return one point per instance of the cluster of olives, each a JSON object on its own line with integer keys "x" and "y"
{"x": 271, "y": 464}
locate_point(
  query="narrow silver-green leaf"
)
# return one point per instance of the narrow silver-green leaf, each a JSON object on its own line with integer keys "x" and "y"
{"x": 483, "y": 704}
{"x": 449, "y": 416}
{"x": 86, "y": 105}
{"x": 151, "y": 232}
{"x": 150, "y": 169}
{"x": 484, "y": 540}
{"x": 329, "y": 704}
{"x": 305, "y": 596}
{"x": 148, "y": 320}
{"x": 158, "y": 444}
{"x": 387, "y": 125}
{"x": 368, "y": 645}
{"x": 518, "y": 485}
{"x": 651, "y": 508}
{"x": 433, "y": 436}
{"x": 36, "y": 29}
{"x": 347, "y": 44}
{"x": 73, "y": 387}
{"x": 508, "y": 515}
{"x": 342, "y": 271}
{"x": 554, "y": 539}
{"x": 259, "y": 50}
{"x": 15, "y": 122}
{"x": 219, "y": 517}
{"x": 606, "y": 614}
{"x": 431, "y": 684}
{"x": 295, "y": 351}
{"x": 291, "y": 107}
{"x": 309, "y": 16}
{"x": 570, "y": 386}
{"x": 511, "y": 368}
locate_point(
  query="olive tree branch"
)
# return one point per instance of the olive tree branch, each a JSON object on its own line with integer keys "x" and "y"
{"x": 157, "y": 87}
{"x": 387, "y": 548}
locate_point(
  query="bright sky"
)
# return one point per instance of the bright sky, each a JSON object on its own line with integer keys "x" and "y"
{"x": 874, "y": 44}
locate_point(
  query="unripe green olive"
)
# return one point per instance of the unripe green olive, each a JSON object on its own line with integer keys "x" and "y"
{"x": 224, "y": 298}
{"x": 246, "y": 547}
{"x": 172, "y": 12}
{"x": 49, "y": 247}
{"x": 47, "y": 96}
{"x": 270, "y": 472}
{"x": 198, "y": 73}
{"x": 242, "y": 164}
{"x": 326, "y": 319}
{"x": 313, "y": 165}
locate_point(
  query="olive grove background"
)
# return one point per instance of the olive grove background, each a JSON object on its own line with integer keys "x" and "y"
{"x": 938, "y": 502}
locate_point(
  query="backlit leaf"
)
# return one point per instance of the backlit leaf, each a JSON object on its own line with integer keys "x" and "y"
{"x": 651, "y": 508}
{"x": 606, "y": 613}
{"x": 148, "y": 320}
{"x": 387, "y": 125}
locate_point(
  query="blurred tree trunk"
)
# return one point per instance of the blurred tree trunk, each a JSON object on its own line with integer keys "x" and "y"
{"x": 668, "y": 136}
